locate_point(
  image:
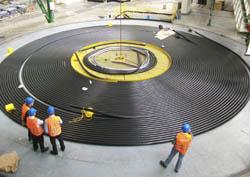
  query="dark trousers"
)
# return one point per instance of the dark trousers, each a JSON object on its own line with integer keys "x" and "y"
{"x": 53, "y": 142}
{"x": 38, "y": 140}
{"x": 24, "y": 123}
{"x": 171, "y": 156}
{"x": 29, "y": 135}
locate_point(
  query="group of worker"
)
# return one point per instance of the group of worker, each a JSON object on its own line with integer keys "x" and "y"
{"x": 37, "y": 127}
{"x": 52, "y": 127}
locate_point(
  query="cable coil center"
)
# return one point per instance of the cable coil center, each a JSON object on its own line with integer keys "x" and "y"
{"x": 125, "y": 61}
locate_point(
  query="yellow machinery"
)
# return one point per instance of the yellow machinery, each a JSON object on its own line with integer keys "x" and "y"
{"x": 10, "y": 107}
{"x": 150, "y": 11}
{"x": 86, "y": 113}
{"x": 124, "y": 56}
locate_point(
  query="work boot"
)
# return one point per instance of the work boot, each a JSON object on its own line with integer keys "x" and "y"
{"x": 63, "y": 148}
{"x": 162, "y": 163}
{"x": 45, "y": 149}
{"x": 53, "y": 153}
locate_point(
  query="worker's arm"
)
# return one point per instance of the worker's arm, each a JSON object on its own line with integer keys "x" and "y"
{"x": 39, "y": 121}
{"x": 61, "y": 122}
{"x": 173, "y": 142}
{"x": 26, "y": 115}
{"x": 46, "y": 128}
{"x": 25, "y": 118}
{"x": 190, "y": 133}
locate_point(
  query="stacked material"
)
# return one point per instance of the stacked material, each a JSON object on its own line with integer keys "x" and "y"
{"x": 159, "y": 11}
{"x": 241, "y": 12}
{"x": 247, "y": 7}
{"x": 12, "y": 9}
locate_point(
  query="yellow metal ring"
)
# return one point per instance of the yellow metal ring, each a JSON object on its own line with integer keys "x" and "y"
{"x": 162, "y": 65}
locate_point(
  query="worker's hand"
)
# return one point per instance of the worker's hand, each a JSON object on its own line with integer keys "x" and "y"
{"x": 173, "y": 142}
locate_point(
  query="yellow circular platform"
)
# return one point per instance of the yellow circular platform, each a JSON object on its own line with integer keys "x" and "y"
{"x": 120, "y": 59}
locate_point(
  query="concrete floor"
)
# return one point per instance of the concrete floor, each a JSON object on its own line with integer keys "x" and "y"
{"x": 222, "y": 21}
{"x": 222, "y": 152}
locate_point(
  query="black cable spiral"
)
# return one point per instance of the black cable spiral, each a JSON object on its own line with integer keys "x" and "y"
{"x": 206, "y": 86}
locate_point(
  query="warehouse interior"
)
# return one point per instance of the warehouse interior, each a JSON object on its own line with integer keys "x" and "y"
{"x": 125, "y": 76}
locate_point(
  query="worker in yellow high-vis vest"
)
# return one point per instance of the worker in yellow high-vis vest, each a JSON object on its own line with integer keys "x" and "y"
{"x": 181, "y": 144}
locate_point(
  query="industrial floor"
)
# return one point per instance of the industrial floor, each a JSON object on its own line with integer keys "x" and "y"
{"x": 223, "y": 22}
{"x": 222, "y": 152}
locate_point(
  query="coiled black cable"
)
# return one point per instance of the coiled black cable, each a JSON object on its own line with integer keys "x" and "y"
{"x": 206, "y": 86}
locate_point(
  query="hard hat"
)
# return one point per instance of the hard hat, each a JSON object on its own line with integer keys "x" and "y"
{"x": 51, "y": 110}
{"x": 29, "y": 100}
{"x": 32, "y": 111}
{"x": 186, "y": 128}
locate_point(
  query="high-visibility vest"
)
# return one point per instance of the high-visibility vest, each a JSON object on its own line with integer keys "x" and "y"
{"x": 33, "y": 126}
{"x": 182, "y": 142}
{"x": 54, "y": 126}
{"x": 25, "y": 109}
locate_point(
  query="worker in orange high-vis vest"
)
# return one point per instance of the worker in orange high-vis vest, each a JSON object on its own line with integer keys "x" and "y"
{"x": 28, "y": 103}
{"x": 35, "y": 126}
{"x": 54, "y": 130}
{"x": 181, "y": 144}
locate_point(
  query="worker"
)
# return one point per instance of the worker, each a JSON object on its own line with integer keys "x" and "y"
{"x": 28, "y": 103}
{"x": 178, "y": 14}
{"x": 181, "y": 145}
{"x": 35, "y": 126}
{"x": 54, "y": 130}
